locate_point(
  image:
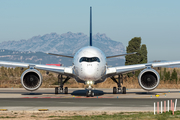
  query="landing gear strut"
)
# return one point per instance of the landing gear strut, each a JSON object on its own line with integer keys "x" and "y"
{"x": 89, "y": 93}
{"x": 61, "y": 83}
{"x": 119, "y": 82}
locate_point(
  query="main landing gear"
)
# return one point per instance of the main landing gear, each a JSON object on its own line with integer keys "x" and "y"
{"x": 119, "y": 82}
{"x": 61, "y": 83}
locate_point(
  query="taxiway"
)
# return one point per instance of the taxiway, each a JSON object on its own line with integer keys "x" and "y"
{"x": 104, "y": 100}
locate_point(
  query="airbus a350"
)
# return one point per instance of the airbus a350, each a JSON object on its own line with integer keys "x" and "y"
{"x": 89, "y": 67}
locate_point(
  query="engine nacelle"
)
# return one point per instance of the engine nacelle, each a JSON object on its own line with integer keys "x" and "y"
{"x": 149, "y": 79}
{"x": 31, "y": 79}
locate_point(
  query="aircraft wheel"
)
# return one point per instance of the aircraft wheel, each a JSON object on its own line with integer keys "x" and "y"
{"x": 61, "y": 89}
{"x": 92, "y": 94}
{"x": 124, "y": 90}
{"x": 66, "y": 90}
{"x": 114, "y": 90}
{"x": 87, "y": 93}
{"x": 56, "y": 90}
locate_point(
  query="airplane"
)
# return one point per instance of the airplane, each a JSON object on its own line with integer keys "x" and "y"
{"x": 89, "y": 67}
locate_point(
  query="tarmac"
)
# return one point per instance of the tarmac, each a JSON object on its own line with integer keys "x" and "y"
{"x": 19, "y": 99}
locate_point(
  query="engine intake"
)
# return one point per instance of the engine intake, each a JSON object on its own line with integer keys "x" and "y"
{"x": 31, "y": 79}
{"x": 149, "y": 79}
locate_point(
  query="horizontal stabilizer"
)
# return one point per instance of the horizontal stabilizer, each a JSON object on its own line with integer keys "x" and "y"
{"x": 60, "y": 55}
{"x": 121, "y": 55}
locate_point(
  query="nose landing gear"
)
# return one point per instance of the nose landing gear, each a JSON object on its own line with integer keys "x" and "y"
{"x": 89, "y": 93}
{"x": 119, "y": 82}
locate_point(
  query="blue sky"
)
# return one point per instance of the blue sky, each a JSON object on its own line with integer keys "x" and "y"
{"x": 157, "y": 22}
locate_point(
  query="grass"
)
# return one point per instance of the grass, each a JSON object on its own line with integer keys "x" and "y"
{"x": 104, "y": 116}
{"x": 124, "y": 116}
{"x": 33, "y": 116}
{"x": 7, "y": 117}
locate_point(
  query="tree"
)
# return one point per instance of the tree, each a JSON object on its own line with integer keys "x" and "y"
{"x": 143, "y": 54}
{"x": 139, "y": 58}
{"x": 134, "y": 46}
{"x": 164, "y": 73}
{"x": 174, "y": 75}
{"x": 161, "y": 76}
{"x": 4, "y": 71}
{"x": 167, "y": 76}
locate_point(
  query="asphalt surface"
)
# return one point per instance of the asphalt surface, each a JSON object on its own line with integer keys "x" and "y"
{"x": 135, "y": 99}
{"x": 80, "y": 102}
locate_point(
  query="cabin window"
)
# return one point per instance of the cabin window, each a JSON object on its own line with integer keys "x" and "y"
{"x": 86, "y": 59}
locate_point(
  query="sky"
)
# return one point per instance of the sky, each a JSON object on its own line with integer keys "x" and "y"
{"x": 157, "y": 22}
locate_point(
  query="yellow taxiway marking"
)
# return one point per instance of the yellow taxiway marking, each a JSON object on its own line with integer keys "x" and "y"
{"x": 157, "y": 95}
{"x": 42, "y": 109}
{"x": 3, "y": 109}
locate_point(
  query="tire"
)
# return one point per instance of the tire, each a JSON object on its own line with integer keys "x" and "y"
{"x": 92, "y": 94}
{"x": 56, "y": 90}
{"x": 66, "y": 90}
{"x": 114, "y": 90}
{"x": 87, "y": 93}
{"x": 61, "y": 89}
{"x": 124, "y": 90}
{"x": 119, "y": 89}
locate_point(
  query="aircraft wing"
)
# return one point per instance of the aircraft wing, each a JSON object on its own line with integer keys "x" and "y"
{"x": 68, "y": 56}
{"x": 56, "y": 69}
{"x": 129, "y": 68}
{"x": 121, "y": 55}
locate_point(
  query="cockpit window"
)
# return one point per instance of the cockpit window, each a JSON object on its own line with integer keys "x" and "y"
{"x": 93, "y": 59}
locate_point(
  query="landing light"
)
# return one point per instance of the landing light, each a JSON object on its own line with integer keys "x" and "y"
{"x": 89, "y": 82}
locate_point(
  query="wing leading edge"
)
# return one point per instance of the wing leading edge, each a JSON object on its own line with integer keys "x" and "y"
{"x": 121, "y": 55}
{"x": 68, "y": 56}
{"x": 56, "y": 69}
{"x": 129, "y": 68}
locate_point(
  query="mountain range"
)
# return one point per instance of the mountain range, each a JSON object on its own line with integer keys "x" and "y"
{"x": 33, "y": 50}
{"x": 67, "y": 43}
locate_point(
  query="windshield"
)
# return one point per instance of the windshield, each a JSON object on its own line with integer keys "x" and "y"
{"x": 93, "y": 59}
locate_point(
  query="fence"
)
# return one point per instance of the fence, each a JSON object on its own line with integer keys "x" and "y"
{"x": 173, "y": 107}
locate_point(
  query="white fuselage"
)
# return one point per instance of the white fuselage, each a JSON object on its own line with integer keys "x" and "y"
{"x": 89, "y": 63}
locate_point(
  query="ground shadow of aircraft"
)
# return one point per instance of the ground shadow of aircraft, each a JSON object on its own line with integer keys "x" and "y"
{"x": 83, "y": 92}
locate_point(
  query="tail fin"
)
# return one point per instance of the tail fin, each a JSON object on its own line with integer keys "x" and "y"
{"x": 90, "y": 26}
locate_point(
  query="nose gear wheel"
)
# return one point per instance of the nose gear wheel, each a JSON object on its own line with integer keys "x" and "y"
{"x": 89, "y": 92}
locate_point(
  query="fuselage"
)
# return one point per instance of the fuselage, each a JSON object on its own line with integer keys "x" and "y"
{"x": 89, "y": 63}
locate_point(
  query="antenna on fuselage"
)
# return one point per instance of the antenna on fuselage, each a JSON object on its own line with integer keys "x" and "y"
{"x": 90, "y": 26}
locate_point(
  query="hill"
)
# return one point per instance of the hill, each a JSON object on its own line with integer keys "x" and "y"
{"x": 32, "y": 50}
{"x": 67, "y": 43}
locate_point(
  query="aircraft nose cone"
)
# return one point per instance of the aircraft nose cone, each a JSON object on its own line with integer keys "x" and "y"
{"x": 90, "y": 71}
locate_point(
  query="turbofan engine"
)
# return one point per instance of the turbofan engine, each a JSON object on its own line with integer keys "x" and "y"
{"x": 31, "y": 79}
{"x": 149, "y": 79}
